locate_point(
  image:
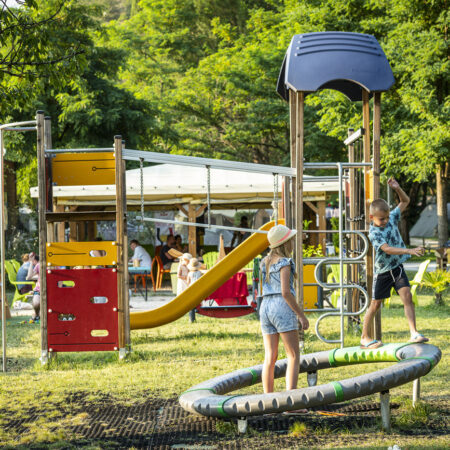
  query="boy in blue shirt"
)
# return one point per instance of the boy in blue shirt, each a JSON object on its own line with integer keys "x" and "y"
{"x": 390, "y": 254}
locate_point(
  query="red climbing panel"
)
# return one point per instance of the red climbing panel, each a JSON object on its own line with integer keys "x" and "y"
{"x": 82, "y": 310}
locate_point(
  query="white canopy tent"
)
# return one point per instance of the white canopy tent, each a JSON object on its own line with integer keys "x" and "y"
{"x": 166, "y": 185}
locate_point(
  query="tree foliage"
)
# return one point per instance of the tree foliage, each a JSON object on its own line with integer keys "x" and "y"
{"x": 198, "y": 77}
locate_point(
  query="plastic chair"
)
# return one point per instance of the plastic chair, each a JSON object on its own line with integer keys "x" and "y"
{"x": 160, "y": 271}
{"x": 210, "y": 259}
{"x": 414, "y": 283}
{"x": 12, "y": 276}
{"x": 16, "y": 264}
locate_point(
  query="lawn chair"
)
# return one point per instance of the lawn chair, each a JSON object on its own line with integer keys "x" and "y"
{"x": 414, "y": 284}
{"x": 334, "y": 278}
{"x": 12, "y": 276}
{"x": 160, "y": 271}
{"x": 210, "y": 259}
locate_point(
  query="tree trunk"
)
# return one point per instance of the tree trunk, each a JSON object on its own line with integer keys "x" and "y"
{"x": 442, "y": 174}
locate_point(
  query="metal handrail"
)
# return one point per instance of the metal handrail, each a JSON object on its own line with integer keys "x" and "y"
{"x": 341, "y": 313}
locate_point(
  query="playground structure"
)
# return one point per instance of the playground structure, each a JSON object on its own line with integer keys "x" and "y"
{"x": 96, "y": 166}
{"x": 355, "y": 65}
{"x": 102, "y": 320}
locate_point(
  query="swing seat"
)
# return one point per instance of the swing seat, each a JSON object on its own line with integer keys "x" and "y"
{"x": 227, "y": 311}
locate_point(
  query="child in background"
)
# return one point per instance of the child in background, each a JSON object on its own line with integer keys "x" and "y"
{"x": 280, "y": 313}
{"x": 390, "y": 254}
{"x": 194, "y": 274}
{"x": 183, "y": 272}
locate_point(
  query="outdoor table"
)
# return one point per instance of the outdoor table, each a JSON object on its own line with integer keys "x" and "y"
{"x": 146, "y": 271}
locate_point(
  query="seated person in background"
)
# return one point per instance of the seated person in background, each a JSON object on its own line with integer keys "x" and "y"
{"x": 33, "y": 274}
{"x": 140, "y": 254}
{"x": 166, "y": 257}
{"x": 179, "y": 244}
{"x": 22, "y": 274}
{"x": 240, "y": 236}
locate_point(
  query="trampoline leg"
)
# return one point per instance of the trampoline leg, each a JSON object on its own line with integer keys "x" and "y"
{"x": 311, "y": 377}
{"x": 416, "y": 391}
{"x": 242, "y": 424}
{"x": 385, "y": 411}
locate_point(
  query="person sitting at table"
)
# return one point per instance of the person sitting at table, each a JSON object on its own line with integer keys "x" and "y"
{"x": 166, "y": 257}
{"x": 194, "y": 274}
{"x": 179, "y": 244}
{"x": 183, "y": 272}
{"x": 140, "y": 254}
{"x": 33, "y": 274}
{"x": 22, "y": 274}
{"x": 240, "y": 236}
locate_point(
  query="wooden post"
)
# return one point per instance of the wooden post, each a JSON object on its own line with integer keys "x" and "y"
{"x": 367, "y": 158}
{"x": 300, "y": 99}
{"x": 321, "y": 206}
{"x": 91, "y": 230}
{"x": 192, "y": 237}
{"x": 5, "y": 308}
{"x": 293, "y": 138}
{"x": 61, "y": 226}
{"x": 376, "y": 180}
{"x": 353, "y": 268}
{"x": 73, "y": 227}
{"x": 42, "y": 179}
{"x": 48, "y": 183}
{"x": 122, "y": 263}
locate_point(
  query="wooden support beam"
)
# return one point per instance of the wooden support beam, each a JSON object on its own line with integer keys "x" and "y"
{"x": 367, "y": 158}
{"x": 192, "y": 236}
{"x": 293, "y": 139}
{"x": 121, "y": 239}
{"x": 299, "y": 145}
{"x": 376, "y": 180}
{"x": 322, "y": 224}
{"x": 42, "y": 232}
{"x": 200, "y": 210}
{"x": 312, "y": 206}
{"x": 182, "y": 209}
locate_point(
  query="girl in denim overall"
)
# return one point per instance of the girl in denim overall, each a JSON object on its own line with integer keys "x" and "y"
{"x": 280, "y": 313}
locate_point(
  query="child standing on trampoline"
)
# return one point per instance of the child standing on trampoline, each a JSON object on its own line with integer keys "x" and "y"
{"x": 390, "y": 254}
{"x": 280, "y": 313}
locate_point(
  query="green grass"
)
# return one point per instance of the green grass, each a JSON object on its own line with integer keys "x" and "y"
{"x": 170, "y": 359}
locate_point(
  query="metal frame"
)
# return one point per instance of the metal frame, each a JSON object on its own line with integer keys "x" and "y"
{"x": 15, "y": 126}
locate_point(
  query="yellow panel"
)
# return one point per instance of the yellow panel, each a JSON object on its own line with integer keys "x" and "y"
{"x": 82, "y": 253}
{"x": 309, "y": 292}
{"x": 77, "y": 169}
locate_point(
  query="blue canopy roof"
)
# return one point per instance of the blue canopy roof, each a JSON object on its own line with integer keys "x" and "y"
{"x": 345, "y": 62}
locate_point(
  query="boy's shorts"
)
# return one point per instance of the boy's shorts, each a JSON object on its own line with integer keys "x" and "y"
{"x": 384, "y": 282}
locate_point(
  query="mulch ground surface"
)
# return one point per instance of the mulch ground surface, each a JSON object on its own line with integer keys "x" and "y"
{"x": 160, "y": 423}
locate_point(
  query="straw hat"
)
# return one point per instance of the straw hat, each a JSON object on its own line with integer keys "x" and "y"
{"x": 194, "y": 264}
{"x": 186, "y": 256}
{"x": 280, "y": 234}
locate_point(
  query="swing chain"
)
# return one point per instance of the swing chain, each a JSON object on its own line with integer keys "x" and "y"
{"x": 141, "y": 167}
{"x": 275, "y": 197}
{"x": 208, "y": 193}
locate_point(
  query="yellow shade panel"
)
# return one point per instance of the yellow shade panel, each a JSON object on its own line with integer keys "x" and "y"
{"x": 82, "y": 253}
{"x": 76, "y": 169}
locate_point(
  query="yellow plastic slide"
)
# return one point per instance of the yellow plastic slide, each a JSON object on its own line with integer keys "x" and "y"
{"x": 206, "y": 285}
